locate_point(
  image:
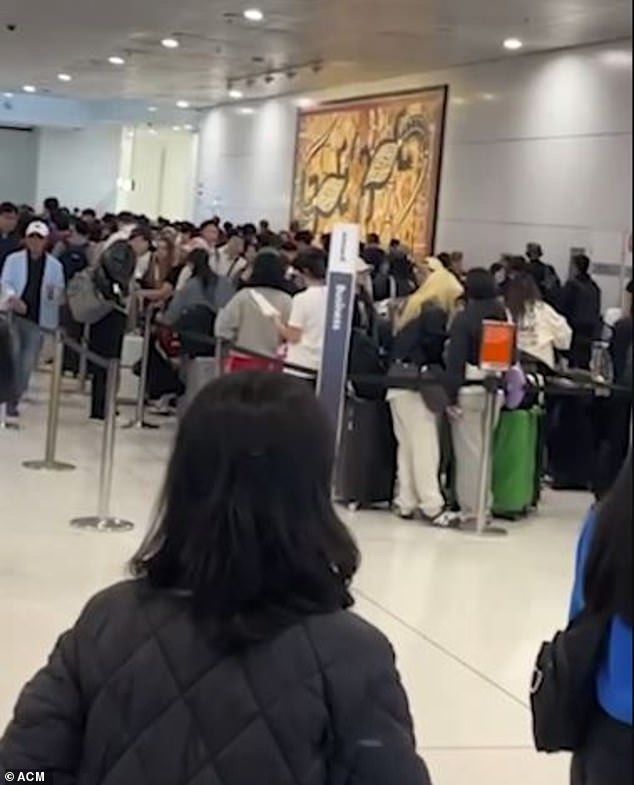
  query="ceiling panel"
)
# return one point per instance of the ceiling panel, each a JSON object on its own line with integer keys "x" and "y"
{"x": 317, "y": 43}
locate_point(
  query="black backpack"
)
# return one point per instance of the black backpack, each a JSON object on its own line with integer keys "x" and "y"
{"x": 74, "y": 259}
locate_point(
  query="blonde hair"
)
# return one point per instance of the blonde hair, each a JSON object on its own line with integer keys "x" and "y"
{"x": 440, "y": 286}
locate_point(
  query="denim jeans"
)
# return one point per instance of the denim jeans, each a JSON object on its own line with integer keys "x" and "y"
{"x": 27, "y": 345}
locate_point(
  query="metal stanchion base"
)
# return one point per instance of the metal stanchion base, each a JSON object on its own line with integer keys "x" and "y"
{"x": 490, "y": 530}
{"x": 51, "y": 466}
{"x": 102, "y": 524}
{"x": 140, "y": 426}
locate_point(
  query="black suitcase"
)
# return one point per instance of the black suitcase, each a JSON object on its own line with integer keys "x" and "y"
{"x": 571, "y": 451}
{"x": 366, "y": 461}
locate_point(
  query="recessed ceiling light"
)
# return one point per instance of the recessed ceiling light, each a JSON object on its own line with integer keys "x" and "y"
{"x": 8, "y": 95}
{"x": 176, "y": 128}
{"x": 188, "y": 127}
{"x": 65, "y": 77}
{"x": 236, "y": 94}
{"x": 153, "y": 131}
{"x": 246, "y": 110}
{"x": 152, "y": 108}
{"x": 253, "y": 15}
{"x": 116, "y": 60}
{"x": 513, "y": 44}
{"x": 29, "y": 88}
{"x": 170, "y": 43}
{"x": 182, "y": 104}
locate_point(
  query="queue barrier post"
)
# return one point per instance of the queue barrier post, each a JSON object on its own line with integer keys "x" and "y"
{"x": 83, "y": 360}
{"x": 139, "y": 416}
{"x": 483, "y": 524}
{"x": 50, "y": 462}
{"x": 103, "y": 521}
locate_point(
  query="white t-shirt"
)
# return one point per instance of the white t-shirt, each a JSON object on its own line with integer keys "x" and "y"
{"x": 308, "y": 314}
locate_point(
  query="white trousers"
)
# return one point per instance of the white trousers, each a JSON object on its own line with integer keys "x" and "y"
{"x": 416, "y": 431}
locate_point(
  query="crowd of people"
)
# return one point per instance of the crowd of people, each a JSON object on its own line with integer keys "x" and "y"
{"x": 241, "y": 592}
{"x": 263, "y": 293}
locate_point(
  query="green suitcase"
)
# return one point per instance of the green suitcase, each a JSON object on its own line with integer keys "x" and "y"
{"x": 515, "y": 463}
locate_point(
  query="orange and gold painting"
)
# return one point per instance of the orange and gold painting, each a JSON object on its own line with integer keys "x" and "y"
{"x": 375, "y": 162}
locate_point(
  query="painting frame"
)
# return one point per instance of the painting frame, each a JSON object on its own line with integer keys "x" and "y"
{"x": 424, "y": 202}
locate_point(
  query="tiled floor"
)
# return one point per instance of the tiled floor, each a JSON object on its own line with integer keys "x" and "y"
{"x": 466, "y": 616}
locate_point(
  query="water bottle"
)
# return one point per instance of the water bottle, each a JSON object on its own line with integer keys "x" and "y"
{"x": 601, "y": 367}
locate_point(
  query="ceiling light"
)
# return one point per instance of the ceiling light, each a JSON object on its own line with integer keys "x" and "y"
{"x": 29, "y": 88}
{"x": 513, "y": 44}
{"x": 116, "y": 60}
{"x": 152, "y": 109}
{"x": 236, "y": 94}
{"x": 246, "y": 110}
{"x": 8, "y": 95}
{"x": 182, "y": 104}
{"x": 188, "y": 127}
{"x": 65, "y": 77}
{"x": 176, "y": 128}
{"x": 253, "y": 15}
{"x": 170, "y": 43}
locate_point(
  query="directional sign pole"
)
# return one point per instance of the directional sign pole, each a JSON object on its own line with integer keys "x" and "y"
{"x": 331, "y": 385}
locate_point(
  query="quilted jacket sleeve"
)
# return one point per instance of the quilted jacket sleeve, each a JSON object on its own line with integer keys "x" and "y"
{"x": 47, "y": 729}
{"x": 372, "y": 731}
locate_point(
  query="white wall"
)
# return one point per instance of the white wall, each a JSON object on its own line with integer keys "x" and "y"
{"x": 18, "y": 157}
{"x": 537, "y": 147}
{"x": 157, "y": 172}
{"x": 80, "y": 166}
{"x": 245, "y": 168}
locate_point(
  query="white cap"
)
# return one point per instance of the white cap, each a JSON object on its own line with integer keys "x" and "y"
{"x": 37, "y": 227}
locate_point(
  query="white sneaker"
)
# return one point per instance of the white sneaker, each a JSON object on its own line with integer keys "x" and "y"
{"x": 444, "y": 520}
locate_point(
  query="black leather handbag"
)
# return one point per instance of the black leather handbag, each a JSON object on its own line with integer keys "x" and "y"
{"x": 563, "y": 691}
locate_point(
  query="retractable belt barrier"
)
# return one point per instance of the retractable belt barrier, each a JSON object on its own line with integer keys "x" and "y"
{"x": 557, "y": 384}
{"x": 103, "y": 520}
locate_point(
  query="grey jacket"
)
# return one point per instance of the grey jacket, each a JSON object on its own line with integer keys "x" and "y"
{"x": 241, "y": 321}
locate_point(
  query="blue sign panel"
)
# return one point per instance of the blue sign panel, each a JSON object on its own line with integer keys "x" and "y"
{"x": 331, "y": 385}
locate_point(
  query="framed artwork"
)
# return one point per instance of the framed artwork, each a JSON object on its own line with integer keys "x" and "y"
{"x": 375, "y": 162}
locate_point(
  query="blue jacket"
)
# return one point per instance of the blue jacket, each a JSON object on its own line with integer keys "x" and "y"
{"x": 14, "y": 277}
{"x": 614, "y": 680}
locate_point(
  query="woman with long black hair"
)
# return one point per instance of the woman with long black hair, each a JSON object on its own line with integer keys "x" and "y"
{"x": 603, "y": 585}
{"x": 232, "y": 656}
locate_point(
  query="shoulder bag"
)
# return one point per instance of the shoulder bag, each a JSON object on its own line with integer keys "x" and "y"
{"x": 563, "y": 691}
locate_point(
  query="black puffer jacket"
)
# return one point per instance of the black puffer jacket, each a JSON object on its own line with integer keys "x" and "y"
{"x": 138, "y": 694}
